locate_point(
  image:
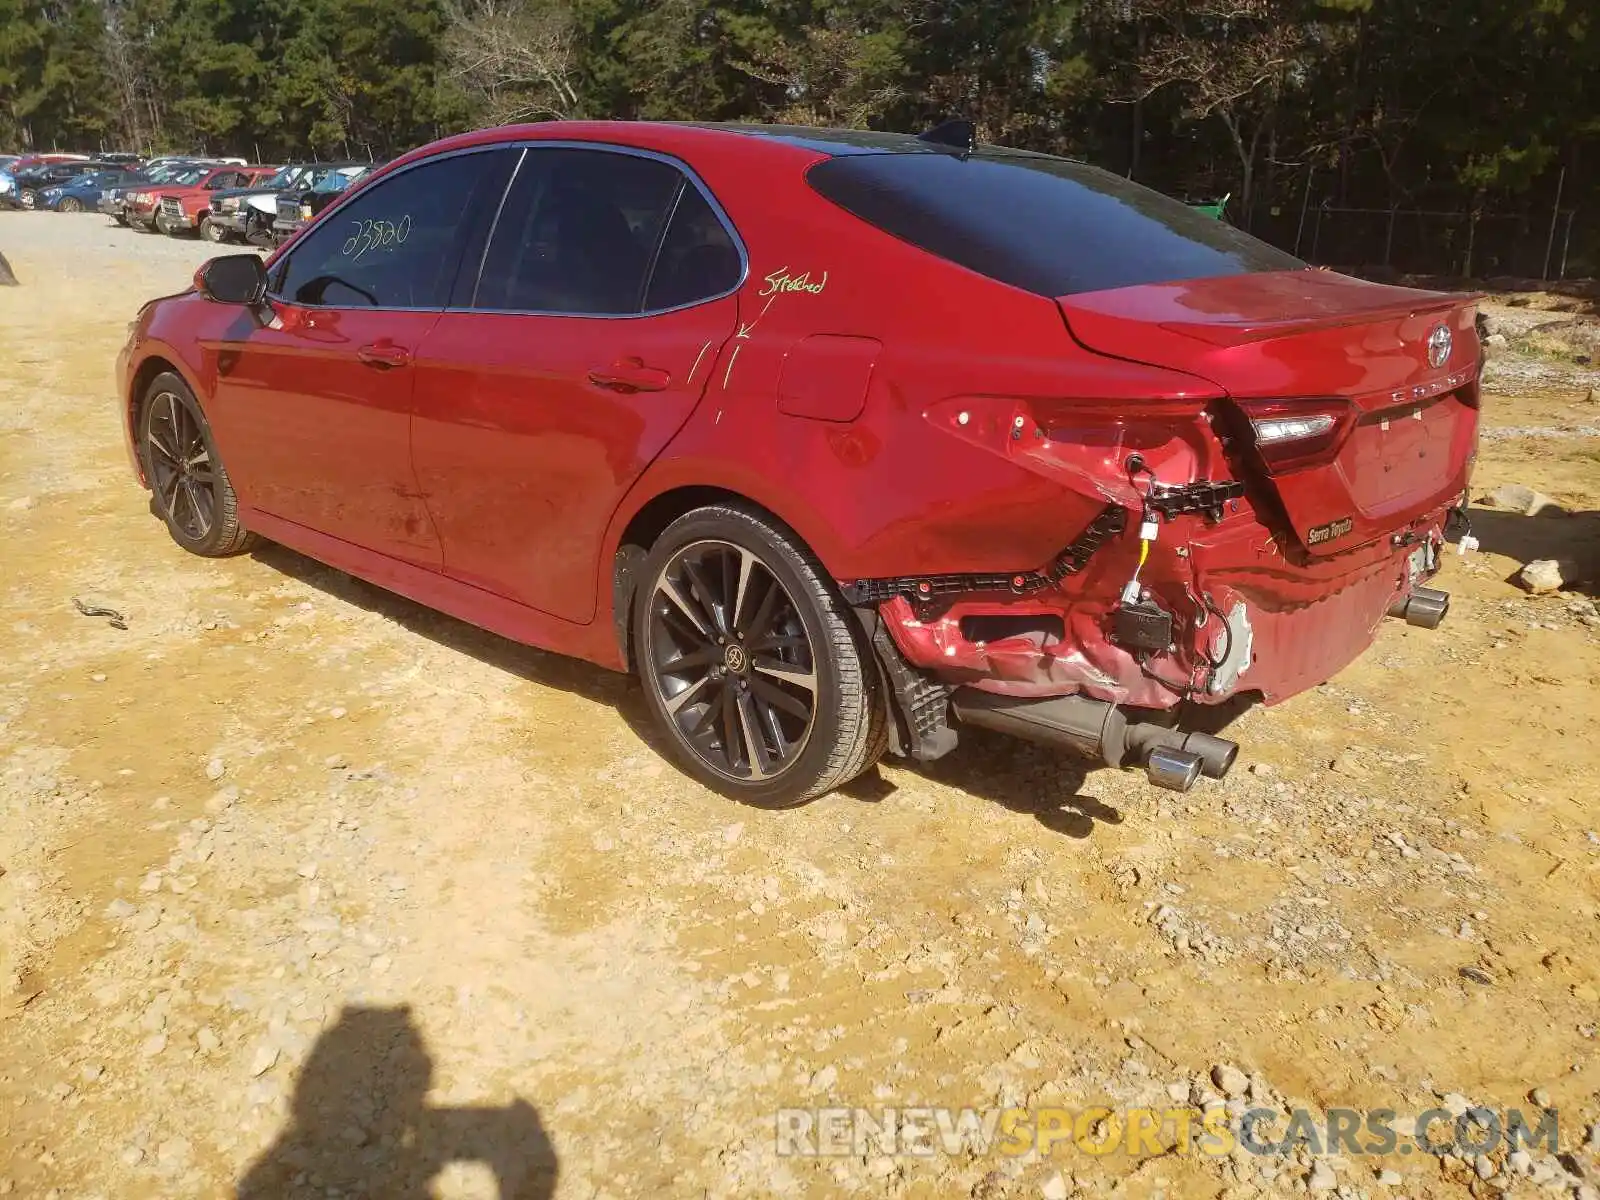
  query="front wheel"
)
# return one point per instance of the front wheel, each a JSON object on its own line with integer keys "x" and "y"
{"x": 28, "y": 198}
{"x": 189, "y": 486}
{"x": 212, "y": 232}
{"x": 751, "y": 661}
{"x": 68, "y": 204}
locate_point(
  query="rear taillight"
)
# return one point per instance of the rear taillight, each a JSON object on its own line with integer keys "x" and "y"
{"x": 1290, "y": 434}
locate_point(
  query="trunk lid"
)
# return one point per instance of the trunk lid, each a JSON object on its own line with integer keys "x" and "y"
{"x": 1355, "y": 403}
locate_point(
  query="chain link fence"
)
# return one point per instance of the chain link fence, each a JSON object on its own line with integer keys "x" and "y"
{"x": 1556, "y": 246}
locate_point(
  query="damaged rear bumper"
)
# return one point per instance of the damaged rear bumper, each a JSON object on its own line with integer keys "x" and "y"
{"x": 1222, "y": 613}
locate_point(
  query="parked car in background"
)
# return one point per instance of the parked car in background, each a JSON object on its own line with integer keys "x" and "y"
{"x": 840, "y": 440}
{"x": 184, "y": 209}
{"x": 34, "y": 180}
{"x": 114, "y": 200}
{"x": 297, "y": 208}
{"x": 119, "y": 158}
{"x": 143, "y": 203}
{"x": 83, "y": 192}
{"x": 246, "y": 214}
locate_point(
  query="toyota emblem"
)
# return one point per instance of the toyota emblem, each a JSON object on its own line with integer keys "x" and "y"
{"x": 1439, "y": 342}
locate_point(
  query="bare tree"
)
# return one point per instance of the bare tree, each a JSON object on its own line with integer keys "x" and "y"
{"x": 1234, "y": 60}
{"x": 125, "y": 70}
{"x": 517, "y": 56}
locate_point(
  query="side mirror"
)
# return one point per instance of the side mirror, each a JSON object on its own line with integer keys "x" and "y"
{"x": 233, "y": 279}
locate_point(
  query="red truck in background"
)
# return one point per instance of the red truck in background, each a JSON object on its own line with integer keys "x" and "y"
{"x": 180, "y": 205}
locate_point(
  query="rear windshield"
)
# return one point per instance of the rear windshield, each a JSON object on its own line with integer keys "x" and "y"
{"x": 1047, "y": 225}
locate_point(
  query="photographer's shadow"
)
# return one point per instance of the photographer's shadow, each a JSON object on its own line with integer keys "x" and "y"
{"x": 361, "y": 1125}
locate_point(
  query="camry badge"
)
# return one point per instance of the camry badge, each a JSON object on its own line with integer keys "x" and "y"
{"x": 1439, "y": 346}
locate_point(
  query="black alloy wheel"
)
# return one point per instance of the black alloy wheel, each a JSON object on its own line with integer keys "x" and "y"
{"x": 752, "y": 662}
{"x": 189, "y": 487}
{"x": 737, "y": 674}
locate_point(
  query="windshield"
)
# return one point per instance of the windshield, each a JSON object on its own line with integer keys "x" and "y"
{"x": 1047, "y": 225}
{"x": 184, "y": 176}
{"x": 336, "y": 180}
{"x": 284, "y": 178}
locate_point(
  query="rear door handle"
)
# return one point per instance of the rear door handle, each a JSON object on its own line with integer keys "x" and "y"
{"x": 630, "y": 375}
{"x": 384, "y": 355}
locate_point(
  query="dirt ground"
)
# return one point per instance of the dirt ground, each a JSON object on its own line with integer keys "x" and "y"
{"x": 307, "y": 890}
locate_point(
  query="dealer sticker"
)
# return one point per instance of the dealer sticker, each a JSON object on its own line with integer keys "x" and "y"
{"x": 1318, "y": 534}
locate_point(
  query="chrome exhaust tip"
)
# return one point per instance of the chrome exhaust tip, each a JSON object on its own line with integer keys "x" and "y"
{"x": 1175, "y": 770}
{"x": 1425, "y": 608}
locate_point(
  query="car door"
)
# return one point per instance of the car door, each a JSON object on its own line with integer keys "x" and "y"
{"x": 313, "y": 410}
{"x": 605, "y": 297}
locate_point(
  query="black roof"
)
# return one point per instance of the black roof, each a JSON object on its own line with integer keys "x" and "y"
{"x": 846, "y": 142}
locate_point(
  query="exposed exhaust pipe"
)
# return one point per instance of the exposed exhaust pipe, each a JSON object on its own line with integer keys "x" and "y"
{"x": 1097, "y": 729}
{"x": 1425, "y": 607}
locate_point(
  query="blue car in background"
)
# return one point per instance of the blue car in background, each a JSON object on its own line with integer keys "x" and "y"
{"x": 83, "y": 192}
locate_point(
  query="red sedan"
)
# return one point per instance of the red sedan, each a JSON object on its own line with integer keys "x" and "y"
{"x": 840, "y": 440}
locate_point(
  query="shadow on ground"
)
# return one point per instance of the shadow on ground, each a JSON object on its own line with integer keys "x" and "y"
{"x": 361, "y": 1124}
{"x": 1016, "y": 775}
{"x": 1571, "y": 538}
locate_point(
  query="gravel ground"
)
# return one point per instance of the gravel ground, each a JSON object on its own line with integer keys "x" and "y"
{"x": 305, "y": 890}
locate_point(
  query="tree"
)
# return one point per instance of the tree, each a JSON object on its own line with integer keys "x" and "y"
{"x": 516, "y": 59}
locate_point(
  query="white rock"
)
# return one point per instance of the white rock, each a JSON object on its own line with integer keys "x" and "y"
{"x": 1541, "y": 576}
{"x": 1514, "y": 497}
{"x": 215, "y": 770}
{"x": 153, "y": 1045}
{"x": 266, "y": 1057}
{"x": 824, "y": 1079}
{"x": 1055, "y": 1188}
{"x": 1390, "y": 1178}
{"x": 307, "y": 870}
{"x": 120, "y": 910}
{"x": 206, "y": 1038}
{"x": 1231, "y": 1081}
{"x": 1322, "y": 1178}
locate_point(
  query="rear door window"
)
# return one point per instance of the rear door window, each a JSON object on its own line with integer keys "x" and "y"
{"x": 698, "y": 259}
{"x": 1047, "y": 225}
{"x": 578, "y": 234}
{"x": 399, "y": 243}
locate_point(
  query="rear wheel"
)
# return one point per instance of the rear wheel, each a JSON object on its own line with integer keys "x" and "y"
{"x": 68, "y": 204}
{"x": 28, "y": 198}
{"x": 751, "y": 662}
{"x": 189, "y": 486}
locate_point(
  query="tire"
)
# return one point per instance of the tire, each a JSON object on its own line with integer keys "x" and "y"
{"x": 28, "y": 198}
{"x": 197, "y": 504}
{"x": 211, "y": 232}
{"x": 70, "y": 205}
{"x": 787, "y": 640}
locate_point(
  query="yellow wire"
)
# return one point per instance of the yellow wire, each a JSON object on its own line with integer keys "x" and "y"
{"x": 1144, "y": 551}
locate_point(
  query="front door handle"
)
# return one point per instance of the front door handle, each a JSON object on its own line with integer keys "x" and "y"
{"x": 630, "y": 375}
{"x": 384, "y": 355}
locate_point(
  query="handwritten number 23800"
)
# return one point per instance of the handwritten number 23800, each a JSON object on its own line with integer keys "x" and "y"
{"x": 376, "y": 235}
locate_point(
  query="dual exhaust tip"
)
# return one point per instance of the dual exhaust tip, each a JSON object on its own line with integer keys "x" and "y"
{"x": 1425, "y": 607}
{"x": 1171, "y": 758}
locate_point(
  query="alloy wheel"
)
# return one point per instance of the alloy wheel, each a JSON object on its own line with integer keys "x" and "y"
{"x": 731, "y": 661}
{"x": 70, "y": 205}
{"x": 181, "y": 472}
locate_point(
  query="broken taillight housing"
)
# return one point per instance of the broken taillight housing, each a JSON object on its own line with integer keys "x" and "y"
{"x": 1291, "y": 434}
